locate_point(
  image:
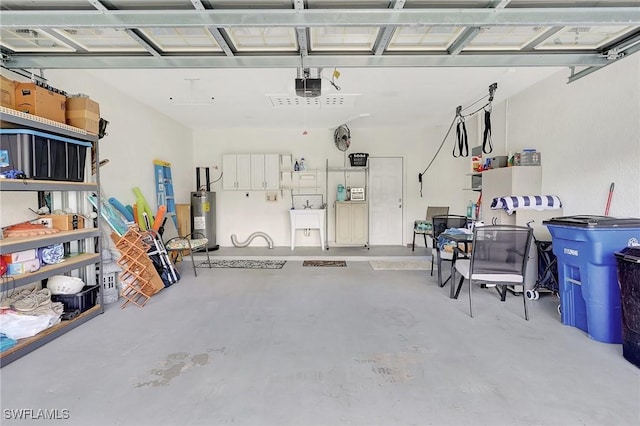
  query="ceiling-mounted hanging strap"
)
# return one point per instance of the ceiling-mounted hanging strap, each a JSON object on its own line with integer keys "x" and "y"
{"x": 487, "y": 145}
{"x": 461, "y": 136}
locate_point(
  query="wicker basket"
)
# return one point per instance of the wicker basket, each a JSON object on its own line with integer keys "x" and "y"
{"x": 358, "y": 159}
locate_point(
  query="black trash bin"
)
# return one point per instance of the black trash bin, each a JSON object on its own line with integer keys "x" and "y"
{"x": 628, "y": 260}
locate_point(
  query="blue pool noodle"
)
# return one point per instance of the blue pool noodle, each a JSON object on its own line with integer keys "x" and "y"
{"x": 121, "y": 208}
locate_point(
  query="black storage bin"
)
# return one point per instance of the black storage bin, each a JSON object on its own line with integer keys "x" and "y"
{"x": 82, "y": 301}
{"x": 628, "y": 260}
{"x": 49, "y": 158}
{"x": 76, "y": 157}
{"x": 46, "y": 156}
{"x": 15, "y": 152}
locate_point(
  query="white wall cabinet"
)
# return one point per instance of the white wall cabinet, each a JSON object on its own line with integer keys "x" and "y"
{"x": 236, "y": 169}
{"x": 352, "y": 223}
{"x": 508, "y": 181}
{"x": 265, "y": 172}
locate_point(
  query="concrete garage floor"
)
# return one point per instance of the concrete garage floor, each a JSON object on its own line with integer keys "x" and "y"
{"x": 324, "y": 346}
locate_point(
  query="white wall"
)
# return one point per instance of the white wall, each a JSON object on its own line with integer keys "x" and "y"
{"x": 136, "y": 136}
{"x": 588, "y": 133}
{"x": 241, "y": 215}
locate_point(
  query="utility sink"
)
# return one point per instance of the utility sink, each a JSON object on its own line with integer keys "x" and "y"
{"x": 304, "y": 218}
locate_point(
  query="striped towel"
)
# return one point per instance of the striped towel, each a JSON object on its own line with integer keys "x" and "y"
{"x": 530, "y": 202}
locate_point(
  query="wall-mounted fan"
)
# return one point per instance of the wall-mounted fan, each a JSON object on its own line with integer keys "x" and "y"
{"x": 342, "y": 137}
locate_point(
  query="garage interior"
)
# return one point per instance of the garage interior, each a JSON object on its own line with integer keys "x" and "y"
{"x": 192, "y": 82}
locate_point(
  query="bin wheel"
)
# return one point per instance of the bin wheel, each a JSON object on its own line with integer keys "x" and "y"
{"x": 559, "y": 309}
{"x": 532, "y": 294}
{"x": 68, "y": 316}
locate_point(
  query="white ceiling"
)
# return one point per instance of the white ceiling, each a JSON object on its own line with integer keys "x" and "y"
{"x": 389, "y": 96}
{"x": 234, "y": 62}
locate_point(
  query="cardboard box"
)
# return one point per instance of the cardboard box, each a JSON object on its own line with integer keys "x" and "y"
{"x": 497, "y": 162}
{"x": 36, "y": 100}
{"x": 23, "y": 267}
{"x": 65, "y": 222}
{"x": 183, "y": 216}
{"x": 527, "y": 158}
{"x": 84, "y": 113}
{"x": 20, "y": 256}
{"x": 7, "y": 92}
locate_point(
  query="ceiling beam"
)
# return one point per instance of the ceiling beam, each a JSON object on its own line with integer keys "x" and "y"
{"x": 72, "y": 61}
{"x": 64, "y": 39}
{"x": 469, "y": 33}
{"x": 215, "y": 33}
{"x": 143, "y": 42}
{"x": 619, "y": 51}
{"x": 542, "y": 37}
{"x": 463, "y": 40}
{"x": 386, "y": 33}
{"x": 587, "y": 16}
{"x": 98, "y": 5}
{"x": 301, "y": 34}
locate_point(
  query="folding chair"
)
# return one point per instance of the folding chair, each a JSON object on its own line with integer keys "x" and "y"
{"x": 425, "y": 227}
{"x": 499, "y": 256}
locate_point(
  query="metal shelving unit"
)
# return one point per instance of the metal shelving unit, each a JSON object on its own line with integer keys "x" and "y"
{"x": 345, "y": 170}
{"x": 86, "y": 241}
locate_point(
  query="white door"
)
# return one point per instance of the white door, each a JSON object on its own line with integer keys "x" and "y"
{"x": 385, "y": 201}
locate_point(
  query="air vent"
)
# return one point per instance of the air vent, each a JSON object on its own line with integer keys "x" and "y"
{"x": 326, "y": 101}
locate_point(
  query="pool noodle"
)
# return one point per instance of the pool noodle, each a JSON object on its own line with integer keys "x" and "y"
{"x": 135, "y": 214}
{"x": 158, "y": 220}
{"x": 121, "y": 208}
{"x": 142, "y": 203}
{"x": 141, "y": 212}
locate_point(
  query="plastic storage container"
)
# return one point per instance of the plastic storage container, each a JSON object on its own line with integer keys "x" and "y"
{"x": 589, "y": 293}
{"x": 629, "y": 280}
{"x": 44, "y": 156}
{"x": 82, "y": 301}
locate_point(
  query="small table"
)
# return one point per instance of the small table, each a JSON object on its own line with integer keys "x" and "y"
{"x": 465, "y": 239}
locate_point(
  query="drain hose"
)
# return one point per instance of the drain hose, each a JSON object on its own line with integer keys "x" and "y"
{"x": 267, "y": 238}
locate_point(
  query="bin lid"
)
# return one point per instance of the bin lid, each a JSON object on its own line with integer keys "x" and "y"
{"x": 629, "y": 254}
{"x": 591, "y": 221}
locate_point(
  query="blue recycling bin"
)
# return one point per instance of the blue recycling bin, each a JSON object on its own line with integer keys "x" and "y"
{"x": 587, "y": 270}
